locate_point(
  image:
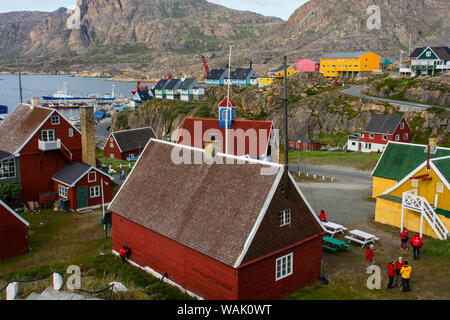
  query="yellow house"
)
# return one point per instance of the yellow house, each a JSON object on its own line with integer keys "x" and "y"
{"x": 349, "y": 63}
{"x": 265, "y": 81}
{"x": 279, "y": 72}
{"x": 412, "y": 188}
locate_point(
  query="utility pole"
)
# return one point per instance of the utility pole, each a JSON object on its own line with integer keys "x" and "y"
{"x": 286, "y": 146}
{"x": 20, "y": 82}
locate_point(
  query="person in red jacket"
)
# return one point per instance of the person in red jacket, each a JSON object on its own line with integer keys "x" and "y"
{"x": 404, "y": 235}
{"x": 323, "y": 216}
{"x": 124, "y": 252}
{"x": 416, "y": 243}
{"x": 391, "y": 274}
{"x": 369, "y": 256}
{"x": 398, "y": 266}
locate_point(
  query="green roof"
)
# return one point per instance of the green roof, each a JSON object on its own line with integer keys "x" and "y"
{"x": 399, "y": 159}
{"x": 443, "y": 165}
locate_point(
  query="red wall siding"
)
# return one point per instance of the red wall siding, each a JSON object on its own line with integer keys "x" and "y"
{"x": 192, "y": 270}
{"x": 303, "y": 145}
{"x": 257, "y": 280}
{"x": 378, "y": 138}
{"x": 13, "y": 235}
{"x": 107, "y": 150}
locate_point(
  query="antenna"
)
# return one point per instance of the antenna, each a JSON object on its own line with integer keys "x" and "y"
{"x": 20, "y": 83}
{"x": 228, "y": 101}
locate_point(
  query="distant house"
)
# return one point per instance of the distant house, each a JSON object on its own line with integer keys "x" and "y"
{"x": 265, "y": 81}
{"x": 243, "y": 76}
{"x": 307, "y": 65}
{"x": 431, "y": 61}
{"x": 217, "y": 77}
{"x": 256, "y": 139}
{"x": 83, "y": 185}
{"x": 381, "y": 129}
{"x": 142, "y": 96}
{"x": 411, "y": 184}
{"x": 159, "y": 89}
{"x": 187, "y": 88}
{"x": 217, "y": 231}
{"x": 121, "y": 144}
{"x": 279, "y": 72}
{"x": 303, "y": 144}
{"x": 349, "y": 64}
{"x": 13, "y": 233}
{"x": 171, "y": 89}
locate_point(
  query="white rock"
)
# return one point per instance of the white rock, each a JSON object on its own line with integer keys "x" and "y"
{"x": 118, "y": 287}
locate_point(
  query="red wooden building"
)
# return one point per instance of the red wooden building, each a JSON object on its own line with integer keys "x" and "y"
{"x": 13, "y": 233}
{"x": 218, "y": 230}
{"x": 381, "y": 129}
{"x": 303, "y": 144}
{"x": 121, "y": 144}
{"x": 84, "y": 186}
{"x": 41, "y": 141}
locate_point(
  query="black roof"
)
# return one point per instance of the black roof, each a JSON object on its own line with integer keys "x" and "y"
{"x": 417, "y": 52}
{"x": 383, "y": 123}
{"x": 161, "y": 84}
{"x": 280, "y": 68}
{"x": 189, "y": 83}
{"x": 144, "y": 95}
{"x": 71, "y": 172}
{"x": 134, "y": 139}
{"x": 4, "y": 155}
{"x": 241, "y": 73}
{"x": 216, "y": 74}
{"x": 442, "y": 52}
{"x": 172, "y": 84}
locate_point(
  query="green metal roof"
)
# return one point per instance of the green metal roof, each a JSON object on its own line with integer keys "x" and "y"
{"x": 443, "y": 165}
{"x": 399, "y": 159}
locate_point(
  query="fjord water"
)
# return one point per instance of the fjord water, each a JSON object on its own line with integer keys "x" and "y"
{"x": 47, "y": 85}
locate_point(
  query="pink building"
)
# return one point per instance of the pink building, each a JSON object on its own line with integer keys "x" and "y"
{"x": 307, "y": 65}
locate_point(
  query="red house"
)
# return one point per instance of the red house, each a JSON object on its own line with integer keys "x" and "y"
{"x": 381, "y": 129}
{"x": 84, "y": 186}
{"x": 121, "y": 144}
{"x": 226, "y": 228}
{"x": 307, "y": 65}
{"x": 304, "y": 145}
{"x": 39, "y": 142}
{"x": 13, "y": 233}
{"x": 256, "y": 139}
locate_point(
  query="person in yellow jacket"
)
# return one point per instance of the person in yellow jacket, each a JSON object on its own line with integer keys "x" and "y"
{"x": 405, "y": 271}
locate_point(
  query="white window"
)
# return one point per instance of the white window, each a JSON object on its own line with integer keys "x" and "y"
{"x": 285, "y": 217}
{"x": 48, "y": 135}
{"x": 92, "y": 176}
{"x": 440, "y": 187}
{"x": 283, "y": 266}
{"x": 8, "y": 169}
{"x": 402, "y": 125}
{"x": 55, "y": 120}
{"x": 111, "y": 145}
{"x": 372, "y": 136}
{"x": 353, "y": 143}
{"x": 397, "y": 137}
{"x": 385, "y": 138}
{"x": 428, "y": 54}
{"x": 62, "y": 191}
{"x": 415, "y": 183}
{"x": 111, "y": 140}
{"x": 70, "y": 132}
{"x": 111, "y": 155}
{"x": 94, "y": 192}
{"x": 405, "y": 136}
{"x": 369, "y": 146}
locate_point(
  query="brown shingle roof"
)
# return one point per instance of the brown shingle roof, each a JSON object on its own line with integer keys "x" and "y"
{"x": 20, "y": 125}
{"x": 134, "y": 139}
{"x": 211, "y": 208}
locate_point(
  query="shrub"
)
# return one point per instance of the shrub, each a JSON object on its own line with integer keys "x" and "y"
{"x": 9, "y": 191}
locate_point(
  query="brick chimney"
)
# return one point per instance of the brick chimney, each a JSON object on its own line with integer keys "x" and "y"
{"x": 87, "y": 135}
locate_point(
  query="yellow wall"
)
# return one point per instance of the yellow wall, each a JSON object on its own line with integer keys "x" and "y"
{"x": 380, "y": 185}
{"x": 280, "y": 74}
{"x": 331, "y": 67}
{"x": 388, "y": 212}
{"x": 266, "y": 80}
{"x": 427, "y": 189}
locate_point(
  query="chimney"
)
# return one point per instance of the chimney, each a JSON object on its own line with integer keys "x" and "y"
{"x": 432, "y": 141}
{"x": 87, "y": 135}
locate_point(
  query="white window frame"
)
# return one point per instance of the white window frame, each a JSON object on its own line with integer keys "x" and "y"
{"x": 111, "y": 156}
{"x": 46, "y": 132}
{"x": 402, "y": 125}
{"x": 284, "y": 266}
{"x": 111, "y": 145}
{"x": 8, "y": 169}
{"x": 285, "y": 217}
{"x": 95, "y": 176}
{"x": 94, "y": 192}
{"x": 71, "y": 133}
{"x": 440, "y": 187}
{"x": 385, "y": 137}
{"x": 405, "y": 136}
{"x": 397, "y": 137}
{"x": 371, "y": 136}
{"x": 415, "y": 183}
{"x": 111, "y": 140}
{"x": 63, "y": 191}
{"x": 56, "y": 117}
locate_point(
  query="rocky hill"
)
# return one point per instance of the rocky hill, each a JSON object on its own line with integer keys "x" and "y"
{"x": 316, "y": 110}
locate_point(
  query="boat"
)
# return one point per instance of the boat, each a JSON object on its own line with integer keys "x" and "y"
{"x": 64, "y": 96}
{"x": 3, "y": 109}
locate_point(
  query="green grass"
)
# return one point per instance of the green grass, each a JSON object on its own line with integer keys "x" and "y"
{"x": 110, "y": 161}
{"x": 437, "y": 248}
{"x": 358, "y": 160}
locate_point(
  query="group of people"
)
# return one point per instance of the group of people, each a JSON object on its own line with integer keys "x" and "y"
{"x": 397, "y": 268}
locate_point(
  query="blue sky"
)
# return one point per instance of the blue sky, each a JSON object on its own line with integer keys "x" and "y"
{"x": 281, "y": 8}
